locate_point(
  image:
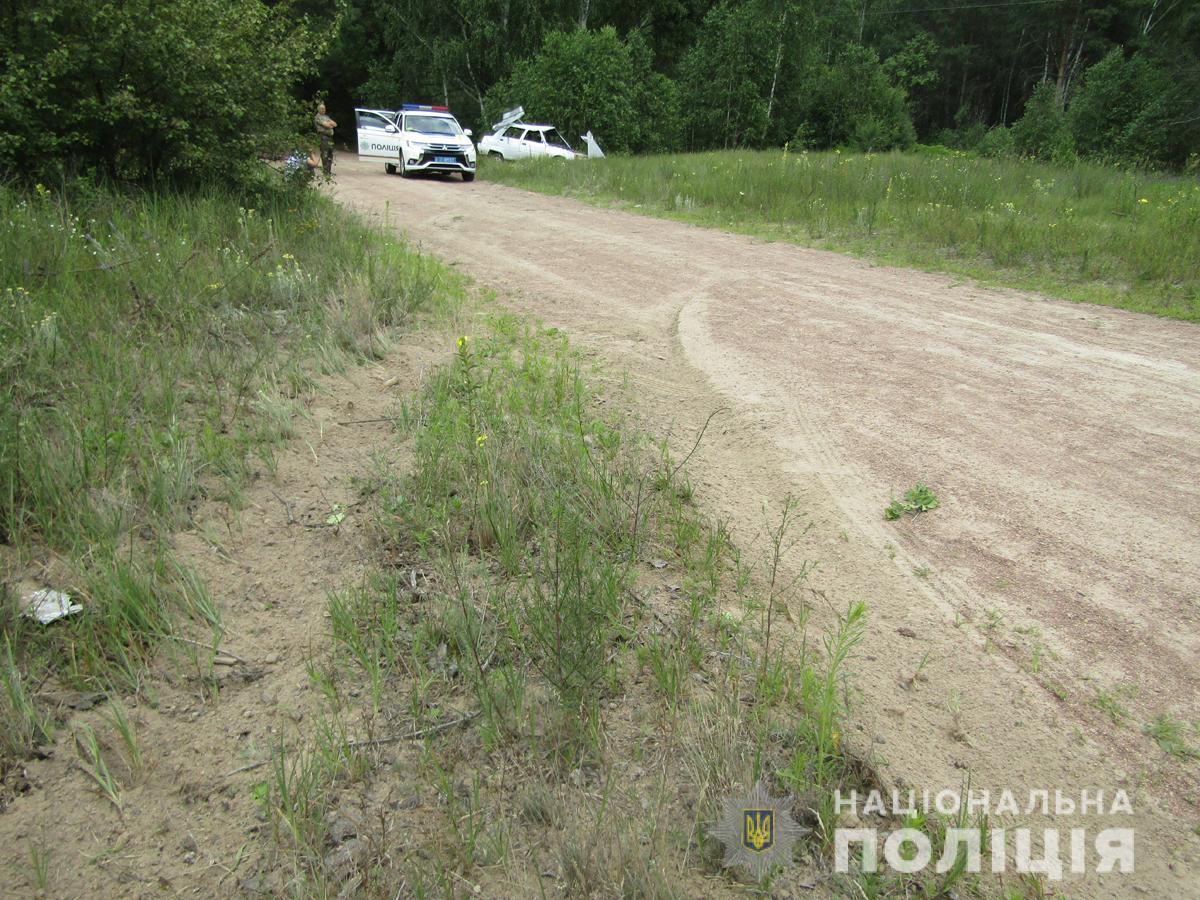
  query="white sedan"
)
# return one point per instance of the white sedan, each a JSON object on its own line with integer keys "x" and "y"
{"x": 523, "y": 141}
{"x": 415, "y": 138}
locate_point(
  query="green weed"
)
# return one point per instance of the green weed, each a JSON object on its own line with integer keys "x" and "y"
{"x": 819, "y": 760}
{"x": 514, "y": 468}
{"x": 917, "y": 499}
{"x": 95, "y": 766}
{"x": 1111, "y": 702}
{"x": 1171, "y": 737}
{"x": 22, "y": 725}
{"x": 39, "y": 863}
{"x": 118, "y": 718}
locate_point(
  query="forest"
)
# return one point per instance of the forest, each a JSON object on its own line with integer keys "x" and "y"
{"x": 196, "y": 90}
{"x": 1117, "y": 81}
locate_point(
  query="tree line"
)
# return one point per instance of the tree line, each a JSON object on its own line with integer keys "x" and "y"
{"x": 1051, "y": 78}
{"x": 196, "y": 90}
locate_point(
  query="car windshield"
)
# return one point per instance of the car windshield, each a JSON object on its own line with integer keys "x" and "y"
{"x": 554, "y": 139}
{"x": 431, "y": 125}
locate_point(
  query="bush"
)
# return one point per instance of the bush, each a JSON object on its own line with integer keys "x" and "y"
{"x": 1131, "y": 110}
{"x": 141, "y": 90}
{"x": 1042, "y": 131}
{"x": 996, "y": 143}
{"x": 852, "y": 102}
{"x": 592, "y": 80}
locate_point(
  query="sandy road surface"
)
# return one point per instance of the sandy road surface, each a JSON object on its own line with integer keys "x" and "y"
{"x": 1063, "y": 441}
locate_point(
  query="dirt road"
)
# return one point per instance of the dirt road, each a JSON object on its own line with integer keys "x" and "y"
{"x": 1063, "y": 565}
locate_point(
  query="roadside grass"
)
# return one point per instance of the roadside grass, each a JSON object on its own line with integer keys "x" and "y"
{"x": 559, "y": 668}
{"x": 1088, "y": 233}
{"x": 154, "y": 349}
{"x": 1171, "y": 735}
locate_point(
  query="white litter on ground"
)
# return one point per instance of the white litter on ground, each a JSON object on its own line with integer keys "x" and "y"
{"x": 47, "y": 605}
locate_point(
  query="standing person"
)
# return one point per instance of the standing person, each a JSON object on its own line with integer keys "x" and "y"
{"x": 325, "y": 126}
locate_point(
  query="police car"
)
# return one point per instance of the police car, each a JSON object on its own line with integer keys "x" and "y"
{"x": 415, "y": 138}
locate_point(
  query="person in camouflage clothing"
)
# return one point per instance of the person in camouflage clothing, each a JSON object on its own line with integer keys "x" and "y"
{"x": 325, "y": 126}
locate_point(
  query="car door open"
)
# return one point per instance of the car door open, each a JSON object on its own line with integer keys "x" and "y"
{"x": 378, "y": 137}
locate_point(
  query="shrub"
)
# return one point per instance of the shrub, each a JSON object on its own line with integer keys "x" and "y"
{"x": 142, "y": 90}
{"x": 996, "y": 143}
{"x": 933, "y": 150}
{"x": 1132, "y": 110}
{"x": 852, "y": 102}
{"x": 1042, "y": 131}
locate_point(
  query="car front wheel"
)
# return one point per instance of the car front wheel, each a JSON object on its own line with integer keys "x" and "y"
{"x": 496, "y": 154}
{"x": 389, "y": 168}
{"x": 468, "y": 176}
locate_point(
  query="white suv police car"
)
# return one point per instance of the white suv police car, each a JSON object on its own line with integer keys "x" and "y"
{"x": 415, "y": 138}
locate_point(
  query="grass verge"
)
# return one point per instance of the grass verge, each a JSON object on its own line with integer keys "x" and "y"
{"x": 560, "y": 669}
{"x": 151, "y": 347}
{"x": 1086, "y": 233}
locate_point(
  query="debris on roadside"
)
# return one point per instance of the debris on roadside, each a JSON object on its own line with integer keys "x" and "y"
{"x": 47, "y": 606}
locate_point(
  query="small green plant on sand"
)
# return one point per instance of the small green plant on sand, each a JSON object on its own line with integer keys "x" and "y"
{"x": 1169, "y": 734}
{"x": 917, "y": 499}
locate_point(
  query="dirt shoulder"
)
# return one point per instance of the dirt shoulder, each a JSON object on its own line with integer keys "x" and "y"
{"x": 1064, "y": 563}
{"x": 191, "y": 821}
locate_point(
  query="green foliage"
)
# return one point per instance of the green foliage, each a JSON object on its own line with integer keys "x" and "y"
{"x": 722, "y": 78}
{"x": 747, "y": 73}
{"x": 1042, "y": 132}
{"x": 22, "y": 725}
{"x": 583, "y": 80}
{"x": 996, "y": 143}
{"x": 917, "y": 499}
{"x": 914, "y": 65}
{"x": 1131, "y": 110}
{"x": 1171, "y": 736}
{"x": 511, "y": 463}
{"x": 146, "y": 90}
{"x": 853, "y": 103}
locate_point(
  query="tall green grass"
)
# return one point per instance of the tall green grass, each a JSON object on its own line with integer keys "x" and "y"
{"x": 151, "y": 345}
{"x": 1085, "y": 232}
{"x": 521, "y": 620}
{"x": 514, "y": 466}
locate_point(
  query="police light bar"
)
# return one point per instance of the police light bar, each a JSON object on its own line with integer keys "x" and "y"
{"x": 423, "y": 107}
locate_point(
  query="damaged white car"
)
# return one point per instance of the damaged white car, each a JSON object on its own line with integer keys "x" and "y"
{"x": 513, "y": 139}
{"x": 415, "y": 138}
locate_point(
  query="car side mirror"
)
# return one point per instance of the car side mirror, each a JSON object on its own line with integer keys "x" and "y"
{"x": 468, "y": 132}
{"x": 390, "y": 129}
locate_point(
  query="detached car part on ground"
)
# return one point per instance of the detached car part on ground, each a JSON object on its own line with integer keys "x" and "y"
{"x": 514, "y": 139}
{"x": 415, "y": 138}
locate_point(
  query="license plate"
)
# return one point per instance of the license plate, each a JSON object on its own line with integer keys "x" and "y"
{"x": 445, "y": 159}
